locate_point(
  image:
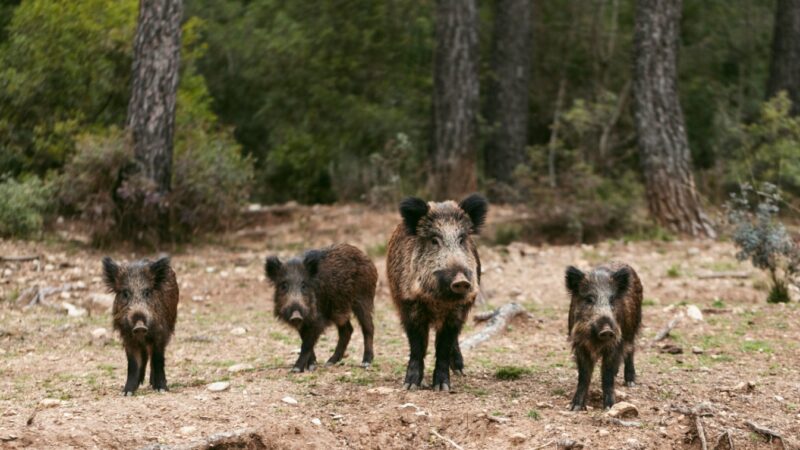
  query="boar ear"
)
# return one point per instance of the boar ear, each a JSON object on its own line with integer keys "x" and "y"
{"x": 110, "y": 273}
{"x": 311, "y": 262}
{"x": 412, "y": 209}
{"x": 574, "y": 277}
{"x": 272, "y": 267}
{"x": 160, "y": 270}
{"x": 476, "y": 207}
{"x": 622, "y": 279}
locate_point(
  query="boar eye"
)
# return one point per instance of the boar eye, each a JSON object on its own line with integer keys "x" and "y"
{"x": 283, "y": 286}
{"x": 436, "y": 241}
{"x": 146, "y": 292}
{"x": 303, "y": 285}
{"x": 590, "y": 299}
{"x": 125, "y": 294}
{"x": 462, "y": 240}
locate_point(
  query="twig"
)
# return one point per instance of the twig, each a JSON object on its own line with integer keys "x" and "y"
{"x": 732, "y": 274}
{"x": 550, "y": 442}
{"x": 724, "y": 441}
{"x": 497, "y": 322}
{"x": 670, "y": 325}
{"x": 701, "y": 432}
{"x": 20, "y": 258}
{"x": 36, "y": 295}
{"x": 446, "y": 439}
{"x": 484, "y": 316}
{"x": 766, "y": 432}
{"x": 497, "y": 419}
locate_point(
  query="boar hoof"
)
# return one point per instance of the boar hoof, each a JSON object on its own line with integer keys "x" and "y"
{"x": 458, "y": 372}
{"x": 296, "y": 370}
{"x": 444, "y": 387}
{"x": 127, "y": 393}
{"x": 366, "y": 365}
{"x": 577, "y": 408}
{"x": 161, "y": 389}
{"x": 630, "y": 383}
{"x": 410, "y": 386}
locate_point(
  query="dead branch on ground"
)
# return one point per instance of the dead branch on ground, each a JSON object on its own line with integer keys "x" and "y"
{"x": 499, "y": 320}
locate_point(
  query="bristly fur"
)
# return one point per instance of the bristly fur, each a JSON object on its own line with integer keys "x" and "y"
{"x": 272, "y": 267}
{"x": 160, "y": 270}
{"x": 110, "y": 273}
{"x": 432, "y": 247}
{"x": 312, "y": 259}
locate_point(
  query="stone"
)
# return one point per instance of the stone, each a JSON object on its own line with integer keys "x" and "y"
{"x": 694, "y": 313}
{"x": 382, "y": 390}
{"x": 99, "y": 333}
{"x": 188, "y": 430}
{"x": 72, "y": 310}
{"x": 693, "y": 251}
{"x": 697, "y": 350}
{"x": 517, "y": 438}
{"x": 219, "y": 386}
{"x": 316, "y": 421}
{"x": 603, "y": 432}
{"x": 622, "y": 410}
{"x": 289, "y": 400}
{"x": 50, "y": 402}
{"x": 242, "y": 367}
{"x": 239, "y": 331}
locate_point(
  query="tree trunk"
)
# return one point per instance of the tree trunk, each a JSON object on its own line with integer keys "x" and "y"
{"x": 154, "y": 81}
{"x": 507, "y": 108}
{"x": 455, "y": 99}
{"x": 663, "y": 145}
{"x": 784, "y": 68}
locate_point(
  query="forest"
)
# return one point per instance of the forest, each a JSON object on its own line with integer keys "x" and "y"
{"x": 664, "y": 134}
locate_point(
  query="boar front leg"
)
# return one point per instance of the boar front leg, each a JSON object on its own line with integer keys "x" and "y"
{"x": 585, "y": 364}
{"x": 611, "y": 364}
{"x": 446, "y": 339}
{"x": 134, "y": 363}
{"x": 307, "y": 358}
{"x": 417, "y": 334}
{"x": 158, "y": 377}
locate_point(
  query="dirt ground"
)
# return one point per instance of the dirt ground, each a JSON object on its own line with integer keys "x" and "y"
{"x": 61, "y": 375}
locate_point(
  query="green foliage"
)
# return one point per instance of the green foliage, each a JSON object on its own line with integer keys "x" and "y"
{"x": 23, "y": 204}
{"x": 534, "y": 414}
{"x": 511, "y": 372}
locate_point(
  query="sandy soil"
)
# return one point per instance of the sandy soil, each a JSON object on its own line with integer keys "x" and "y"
{"x": 61, "y": 377}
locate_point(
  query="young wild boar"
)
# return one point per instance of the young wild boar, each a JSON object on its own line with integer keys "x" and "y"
{"x": 434, "y": 275}
{"x": 323, "y": 287}
{"x": 144, "y": 313}
{"x": 605, "y": 314}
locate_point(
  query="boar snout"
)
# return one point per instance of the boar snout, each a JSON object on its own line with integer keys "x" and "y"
{"x": 460, "y": 284}
{"x": 605, "y": 329}
{"x": 140, "y": 329}
{"x": 296, "y": 318}
{"x": 454, "y": 281}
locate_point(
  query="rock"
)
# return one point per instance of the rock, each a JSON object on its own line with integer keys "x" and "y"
{"x": 779, "y": 398}
{"x": 633, "y": 444}
{"x": 219, "y": 386}
{"x": 697, "y": 350}
{"x": 289, "y": 400}
{"x": 238, "y": 331}
{"x": 198, "y": 298}
{"x": 50, "y": 402}
{"x": 382, "y": 390}
{"x": 99, "y": 333}
{"x": 622, "y": 410}
{"x": 603, "y": 432}
{"x": 242, "y": 367}
{"x": 210, "y": 269}
{"x": 743, "y": 386}
{"x": 316, "y": 421}
{"x": 72, "y": 310}
{"x": 188, "y": 429}
{"x": 672, "y": 349}
{"x": 694, "y": 313}
{"x": 101, "y": 302}
{"x": 517, "y": 438}
{"x": 692, "y": 251}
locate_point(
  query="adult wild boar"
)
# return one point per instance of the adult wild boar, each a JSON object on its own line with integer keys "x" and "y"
{"x": 434, "y": 275}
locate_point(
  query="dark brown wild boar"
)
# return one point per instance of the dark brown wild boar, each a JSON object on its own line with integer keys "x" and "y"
{"x": 323, "y": 287}
{"x": 605, "y": 314}
{"x": 144, "y": 314}
{"x": 434, "y": 274}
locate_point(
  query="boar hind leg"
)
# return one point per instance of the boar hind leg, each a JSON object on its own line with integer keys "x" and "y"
{"x": 158, "y": 378}
{"x": 446, "y": 339}
{"x": 368, "y": 329}
{"x": 585, "y": 364}
{"x": 134, "y": 361}
{"x": 630, "y": 370}
{"x": 456, "y": 360}
{"x": 610, "y": 368}
{"x": 307, "y": 358}
{"x": 417, "y": 334}
{"x": 345, "y": 331}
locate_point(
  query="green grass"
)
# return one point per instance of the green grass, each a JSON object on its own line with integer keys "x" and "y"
{"x": 756, "y": 346}
{"x": 534, "y": 414}
{"x": 278, "y": 336}
{"x": 718, "y": 303}
{"x": 559, "y": 392}
{"x": 649, "y": 302}
{"x": 674, "y": 271}
{"x": 511, "y": 372}
{"x": 377, "y": 250}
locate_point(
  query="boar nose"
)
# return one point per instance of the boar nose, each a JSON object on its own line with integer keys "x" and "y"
{"x": 296, "y": 317}
{"x": 140, "y": 328}
{"x": 606, "y": 334}
{"x": 460, "y": 284}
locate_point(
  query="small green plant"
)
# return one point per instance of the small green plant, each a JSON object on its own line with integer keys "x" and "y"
{"x": 762, "y": 238}
{"x": 23, "y": 205}
{"x": 511, "y": 372}
{"x": 534, "y": 414}
{"x": 377, "y": 250}
{"x": 756, "y": 346}
{"x": 674, "y": 271}
{"x": 718, "y": 303}
{"x": 649, "y": 302}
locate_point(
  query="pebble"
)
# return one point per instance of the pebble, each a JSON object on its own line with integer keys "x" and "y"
{"x": 240, "y": 367}
{"x": 383, "y": 390}
{"x": 72, "y": 310}
{"x": 603, "y": 432}
{"x": 316, "y": 421}
{"x": 50, "y": 402}
{"x": 693, "y": 251}
{"x": 99, "y": 333}
{"x": 694, "y": 313}
{"x": 697, "y": 350}
{"x": 238, "y": 331}
{"x": 517, "y": 438}
{"x": 219, "y": 386}
{"x": 188, "y": 429}
{"x": 289, "y": 400}
{"x": 623, "y": 410}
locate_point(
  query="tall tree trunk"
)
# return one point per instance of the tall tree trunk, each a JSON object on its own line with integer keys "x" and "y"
{"x": 663, "y": 145}
{"x": 154, "y": 81}
{"x": 507, "y": 108}
{"x": 455, "y": 99}
{"x": 784, "y": 68}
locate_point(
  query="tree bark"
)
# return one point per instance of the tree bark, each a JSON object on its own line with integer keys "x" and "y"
{"x": 784, "y": 68}
{"x": 664, "y": 148}
{"x": 455, "y": 99}
{"x": 154, "y": 87}
{"x": 507, "y": 107}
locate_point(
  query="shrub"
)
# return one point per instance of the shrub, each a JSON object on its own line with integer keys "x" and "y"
{"x": 23, "y": 204}
{"x": 510, "y": 372}
{"x": 762, "y": 238}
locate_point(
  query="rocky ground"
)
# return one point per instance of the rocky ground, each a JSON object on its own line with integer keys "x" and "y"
{"x": 62, "y": 369}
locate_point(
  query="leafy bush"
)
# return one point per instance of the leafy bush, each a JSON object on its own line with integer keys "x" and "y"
{"x": 762, "y": 238}
{"x": 23, "y": 204}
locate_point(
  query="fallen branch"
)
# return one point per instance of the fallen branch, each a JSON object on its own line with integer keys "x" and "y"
{"x": 716, "y": 310}
{"x": 664, "y": 332}
{"x": 713, "y": 275}
{"x": 701, "y": 432}
{"x": 36, "y": 295}
{"x": 20, "y": 258}
{"x": 724, "y": 441}
{"x": 499, "y": 320}
{"x": 766, "y": 432}
{"x": 446, "y": 439}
